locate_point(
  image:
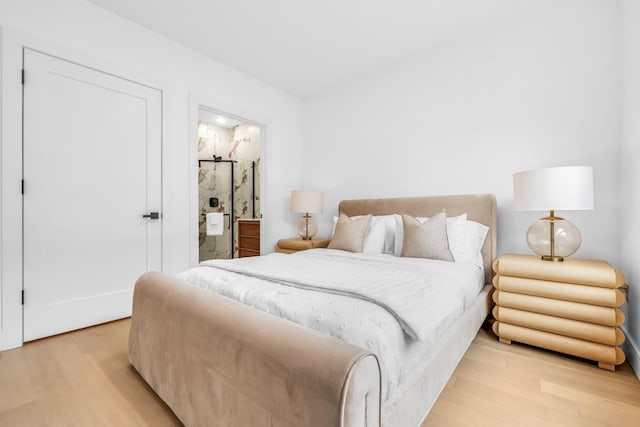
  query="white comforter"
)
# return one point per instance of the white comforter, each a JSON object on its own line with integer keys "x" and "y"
{"x": 430, "y": 295}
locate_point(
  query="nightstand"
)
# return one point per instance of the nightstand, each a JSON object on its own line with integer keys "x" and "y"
{"x": 570, "y": 306}
{"x": 289, "y": 246}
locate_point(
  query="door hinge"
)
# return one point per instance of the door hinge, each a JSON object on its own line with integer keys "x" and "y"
{"x": 22, "y": 186}
{"x": 23, "y": 297}
{"x": 22, "y": 76}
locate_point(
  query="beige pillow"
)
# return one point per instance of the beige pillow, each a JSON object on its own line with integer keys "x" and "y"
{"x": 350, "y": 233}
{"x": 426, "y": 240}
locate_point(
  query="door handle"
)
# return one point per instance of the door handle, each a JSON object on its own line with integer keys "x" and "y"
{"x": 151, "y": 215}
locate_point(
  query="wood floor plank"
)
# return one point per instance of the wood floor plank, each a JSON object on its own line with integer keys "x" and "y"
{"x": 83, "y": 378}
{"x": 595, "y": 406}
{"x": 524, "y": 385}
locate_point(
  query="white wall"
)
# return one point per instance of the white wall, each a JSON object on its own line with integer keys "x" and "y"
{"x": 630, "y": 171}
{"x": 98, "y": 38}
{"x": 462, "y": 118}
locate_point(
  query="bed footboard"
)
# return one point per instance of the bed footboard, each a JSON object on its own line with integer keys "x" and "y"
{"x": 217, "y": 362}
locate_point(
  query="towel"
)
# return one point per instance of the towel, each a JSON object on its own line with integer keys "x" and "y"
{"x": 215, "y": 223}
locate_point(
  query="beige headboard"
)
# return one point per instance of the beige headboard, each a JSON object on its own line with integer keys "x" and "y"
{"x": 478, "y": 207}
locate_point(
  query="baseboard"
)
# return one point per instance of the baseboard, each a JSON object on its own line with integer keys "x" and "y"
{"x": 632, "y": 351}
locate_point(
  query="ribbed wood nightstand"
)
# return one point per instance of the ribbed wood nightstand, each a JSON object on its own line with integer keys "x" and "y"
{"x": 569, "y": 306}
{"x": 289, "y": 246}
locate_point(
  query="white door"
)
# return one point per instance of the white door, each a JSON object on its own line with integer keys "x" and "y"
{"x": 92, "y": 169}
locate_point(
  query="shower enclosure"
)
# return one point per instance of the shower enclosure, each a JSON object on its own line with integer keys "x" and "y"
{"x": 228, "y": 183}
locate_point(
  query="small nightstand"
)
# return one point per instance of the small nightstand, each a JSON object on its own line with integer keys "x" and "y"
{"x": 569, "y": 306}
{"x": 289, "y": 246}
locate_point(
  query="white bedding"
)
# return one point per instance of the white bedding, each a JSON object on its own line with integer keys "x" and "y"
{"x": 446, "y": 288}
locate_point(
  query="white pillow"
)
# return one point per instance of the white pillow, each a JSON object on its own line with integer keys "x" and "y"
{"x": 374, "y": 240}
{"x": 389, "y": 234}
{"x": 476, "y": 234}
{"x": 457, "y": 235}
{"x": 380, "y": 234}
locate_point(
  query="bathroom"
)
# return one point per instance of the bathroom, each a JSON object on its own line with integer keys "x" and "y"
{"x": 228, "y": 186}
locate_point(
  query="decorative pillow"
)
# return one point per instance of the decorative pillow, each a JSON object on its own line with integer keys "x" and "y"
{"x": 380, "y": 234}
{"x": 350, "y": 233}
{"x": 456, "y": 232}
{"x": 426, "y": 240}
{"x": 466, "y": 238}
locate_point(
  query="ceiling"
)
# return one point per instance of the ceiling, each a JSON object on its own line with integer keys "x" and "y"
{"x": 304, "y": 47}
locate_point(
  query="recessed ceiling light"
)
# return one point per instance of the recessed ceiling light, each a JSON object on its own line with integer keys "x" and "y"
{"x": 221, "y": 120}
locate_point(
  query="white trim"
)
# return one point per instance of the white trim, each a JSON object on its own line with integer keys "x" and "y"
{"x": 11, "y": 214}
{"x": 632, "y": 351}
{"x": 195, "y": 103}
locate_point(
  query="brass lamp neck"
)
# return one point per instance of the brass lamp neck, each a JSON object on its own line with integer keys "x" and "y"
{"x": 552, "y": 237}
{"x": 552, "y": 216}
{"x": 306, "y": 217}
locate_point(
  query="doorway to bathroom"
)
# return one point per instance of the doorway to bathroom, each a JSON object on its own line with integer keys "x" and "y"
{"x": 229, "y": 151}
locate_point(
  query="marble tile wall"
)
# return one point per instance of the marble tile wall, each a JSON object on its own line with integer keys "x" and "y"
{"x": 242, "y": 144}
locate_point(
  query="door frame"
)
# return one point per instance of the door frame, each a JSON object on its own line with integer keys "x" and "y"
{"x": 196, "y": 103}
{"x": 11, "y": 250}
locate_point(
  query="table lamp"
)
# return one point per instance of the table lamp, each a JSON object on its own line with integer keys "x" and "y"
{"x": 568, "y": 188}
{"x": 307, "y": 202}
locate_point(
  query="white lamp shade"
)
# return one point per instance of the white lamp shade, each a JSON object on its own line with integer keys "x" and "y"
{"x": 566, "y": 188}
{"x": 307, "y": 201}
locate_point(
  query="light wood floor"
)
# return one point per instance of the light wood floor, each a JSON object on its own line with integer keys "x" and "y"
{"x": 83, "y": 378}
{"x": 499, "y": 384}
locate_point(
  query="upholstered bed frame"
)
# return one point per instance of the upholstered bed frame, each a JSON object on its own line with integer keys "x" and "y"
{"x": 217, "y": 362}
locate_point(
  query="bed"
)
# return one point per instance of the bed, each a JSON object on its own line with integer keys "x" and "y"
{"x": 217, "y": 361}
